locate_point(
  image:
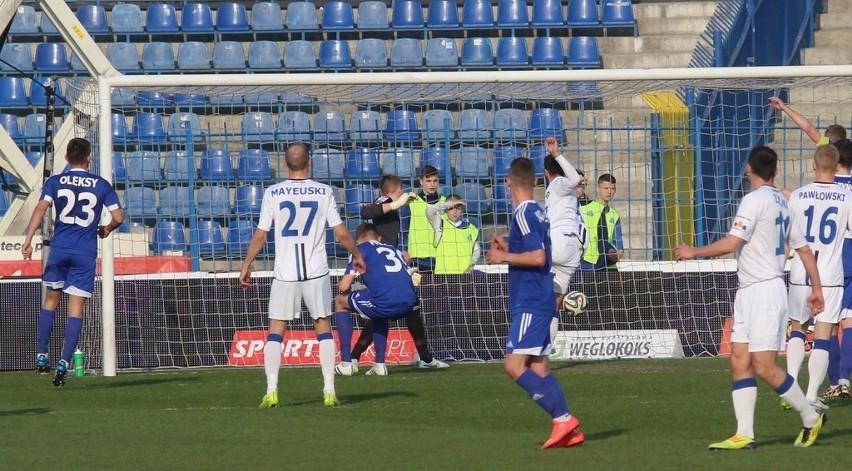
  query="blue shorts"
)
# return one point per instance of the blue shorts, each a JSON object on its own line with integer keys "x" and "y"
{"x": 72, "y": 273}
{"x": 360, "y": 302}
{"x": 531, "y": 335}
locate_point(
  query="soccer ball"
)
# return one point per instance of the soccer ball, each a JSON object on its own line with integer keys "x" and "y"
{"x": 574, "y": 302}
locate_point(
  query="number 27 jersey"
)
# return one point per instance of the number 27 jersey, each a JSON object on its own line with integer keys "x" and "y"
{"x": 823, "y": 212}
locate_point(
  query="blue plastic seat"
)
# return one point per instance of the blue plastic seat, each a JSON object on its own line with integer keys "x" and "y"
{"x": 407, "y": 14}
{"x": 148, "y": 128}
{"x": 401, "y": 126}
{"x": 400, "y": 162}
{"x": 302, "y": 16}
{"x": 537, "y": 154}
{"x": 232, "y": 16}
{"x": 299, "y": 54}
{"x": 248, "y": 200}
{"x": 76, "y": 64}
{"x": 266, "y": 16}
{"x": 127, "y": 18}
{"x": 35, "y": 125}
{"x": 178, "y": 124}
{"x": 140, "y": 203}
{"x": 406, "y": 52}
{"x": 158, "y": 56}
{"x": 477, "y": 14}
{"x": 161, "y": 18}
{"x": 211, "y": 241}
{"x": 510, "y": 125}
{"x": 512, "y": 14}
{"x": 357, "y": 195}
{"x": 371, "y": 53}
{"x": 240, "y": 232}
{"x": 264, "y": 54}
{"x": 547, "y": 13}
{"x": 144, "y": 167}
{"x": 153, "y": 99}
{"x": 18, "y": 55}
{"x": 178, "y": 167}
{"x": 474, "y": 125}
{"x": 131, "y": 226}
{"x": 512, "y": 52}
{"x": 35, "y": 157}
{"x": 228, "y": 55}
{"x": 122, "y": 97}
{"x": 338, "y": 16}
{"x": 442, "y": 52}
{"x": 335, "y": 54}
{"x": 294, "y": 126}
{"x": 548, "y": 51}
{"x": 12, "y": 92}
{"x": 168, "y": 236}
{"x": 124, "y": 57}
{"x": 443, "y": 14}
{"x": 363, "y": 163}
{"x": 174, "y": 202}
{"x": 544, "y": 123}
{"x": 213, "y": 201}
{"x": 196, "y": 17}
{"x": 216, "y": 166}
{"x": 38, "y": 96}
{"x": 372, "y": 15}
{"x": 364, "y": 127}
{"x": 253, "y": 166}
{"x": 501, "y": 200}
{"x": 583, "y": 52}
{"x": 9, "y": 122}
{"x": 472, "y": 162}
{"x": 327, "y": 165}
{"x": 25, "y": 21}
{"x": 258, "y": 126}
{"x": 193, "y": 55}
{"x": 438, "y": 125}
{"x": 93, "y": 18}
{"x": 583, "y": 13}
{"x": 474, "y": 195}
{"x": 329, "y": 127}
{"x": 436, "y": 156}
{"x": 120, "y": 133}
{"x": 477, "y": 52}
{"x": 618, "y": 13}
{"x": 503, "y": 157}
{"x": 51, "y": 57}
{"x": 119, "y": 168}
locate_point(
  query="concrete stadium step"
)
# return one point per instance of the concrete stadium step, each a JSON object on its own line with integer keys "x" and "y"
{"x": 674, "y": 9}
{"x": 830, "y": 38}
{"x": 839, "y": 7}
{"x": 655, "y": 26}
{"x": 648, "y": 43}
{"x": 647, "y": 60}
{"x": 837, "y": 55}
{"x": 835, "y": 20}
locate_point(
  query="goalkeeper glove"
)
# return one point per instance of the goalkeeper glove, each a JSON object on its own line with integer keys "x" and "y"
{"x": 403, "y": 200}
{"x": 415, "y": 275}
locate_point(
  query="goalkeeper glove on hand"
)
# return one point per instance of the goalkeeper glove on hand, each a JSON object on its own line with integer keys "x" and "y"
{"x": 403, "y": 200}
{"x": 415, "y": 275}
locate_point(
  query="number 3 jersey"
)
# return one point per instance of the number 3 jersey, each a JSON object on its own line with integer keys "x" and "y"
{"x": 78, "y": 198}
{"x": 387, "y": 278}
{"x": 823, "y": 212}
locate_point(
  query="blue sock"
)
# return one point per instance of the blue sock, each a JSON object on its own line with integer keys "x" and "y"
{"x": 344, "y": 334}
{"x": 380, "y": 338}
{"x": 555, "y": 390}
{"x": 45, "y": 328}
{"x": 833, "y": 360}
{"x": 72, "y": 336}
{"x": 538, "y": 389}
{"x": 846, "y": 354}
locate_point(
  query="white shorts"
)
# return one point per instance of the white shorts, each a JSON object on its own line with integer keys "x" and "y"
{"x": 799, "y": 310}
{"x": 285, "y": 298}
{"x": 566, "y": 252}
{"x": 760, "y": 316}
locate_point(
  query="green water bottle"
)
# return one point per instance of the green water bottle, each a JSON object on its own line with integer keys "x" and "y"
{"x": 79, "y": 364}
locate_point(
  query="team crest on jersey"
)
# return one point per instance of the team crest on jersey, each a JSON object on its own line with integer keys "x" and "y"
{"x": 739, "y": 224}
{"x": 546, "y": 194}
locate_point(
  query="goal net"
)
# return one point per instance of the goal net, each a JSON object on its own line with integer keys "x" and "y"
{"x": 191, "y": 155}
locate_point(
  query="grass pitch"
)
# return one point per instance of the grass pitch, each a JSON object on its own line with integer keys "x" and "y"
{"x": 641, "y": 414}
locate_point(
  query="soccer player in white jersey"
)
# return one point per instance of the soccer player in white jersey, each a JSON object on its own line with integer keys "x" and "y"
{"x": 758, "y": 235}
{"x": 299, "y": 209}
{"x": 560, "y": 202}
{"x": 823, "y": 209}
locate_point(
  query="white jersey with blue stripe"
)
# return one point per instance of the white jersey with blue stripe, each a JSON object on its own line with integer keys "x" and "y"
{"x": 845, "y": 180}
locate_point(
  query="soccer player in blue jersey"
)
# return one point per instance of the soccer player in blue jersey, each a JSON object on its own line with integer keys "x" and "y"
{"x": 78, "y": 197}
{"x": 527, "y": 251}
{"x": 840, "y": 356}
{"x": 389, "y": 295}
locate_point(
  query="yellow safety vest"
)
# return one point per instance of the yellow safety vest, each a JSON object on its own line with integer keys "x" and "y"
{"x": 420, "y": 233}
{"x": 591, "y": 216}
{"x": 455, "y": 249}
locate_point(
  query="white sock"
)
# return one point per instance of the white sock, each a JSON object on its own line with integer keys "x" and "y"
{"x": 795, "y": 356}
{"x": 744, "y": 401}
{"x": 272, "y": 364}
{"x": 843, "y": 382}
{"x": 817, "y": 368}
{"x": 797, "y": 400}
{"x": 326, "y": 357}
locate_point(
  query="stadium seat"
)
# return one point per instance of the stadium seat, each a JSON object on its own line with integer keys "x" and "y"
{"x": 474, "y": 195}
{"x": 193, "y": 55}
{"x": 232, "y": 17}
{"x": 140, "y": 202}
{"x": 168, "y": 236}
{"x": 16, "y": 55}
{"x": 436, "y": 156}
{"x": 211, "y": 241}
{"x": 512, "y": 52}
{"x": 338, "y": 16}
{"x": 472, "y": 163}
{"x": 510, "y": 125}
{"x": 329, "y": 127}
{"x": 442, "y": 52}
{"x": 477, "y": 14}
{"x": 46, "y": 26}
{"x": 477, "y": 52}
{"x": 12, "y": 92}
{"x": 537, "y": 154}
{"x": 213, "y": 201}
{"x": 544, "y": 123}
{"x": 153, "y": 99}
{"x": 258, "y": 126}
{"x": 144, "y": 167}
{"x": 299, "y": 54}
{"x": 547, "y": 13}
{"x": 335, "y": 54}
{"x": 503, "y": 157}
{"x": 35, "y": 126}
{"x": 302, "y": 16}
{"x": 127, "y": 18}
{"x": 35, "y": 157}
{"x": 264, "y": 54}
{"x": 400, "y": 162}
{"x": 293, "y": 99}
{"x": 124, "y": 57}
{"x": 93, "y": 18}
{"x": 228, "y": 55}
{"x": 583, "y": 13}
{"x": 76, "y": 64}
{"x": 240, "y": 232}
{"x": 358, "y": 195}
{"x": 25, "y": 21}
{"x": 178, "y": 123}
{"x": 364, "y": 127}
{"x": 9, "y": 122}
{"x": 253, "y": 166}
{"x": 131, "y": 226}
{"x": 119, "y": 168}
{"x": 38, "y": 95}
{"x": 401, "y": 126}
{"x": 443, "y": 14}
{"x": 178, "y": 167}
{"x": 196, "y": 17}
{"x": 371, "y": 53}
{"x": 148, "y": 128}
{"x": 158, "y": 57}
{"x": 474, "y": 125}
{"x": 363, "y": 163}
{"x": 501, "y": 200}
{"x": 327, "y": 165}
{"x": 51, "y": 57}
{"x": 248, "y": 200}
{"x": 216, "y": 166}
{"x": 407, "y": 14}
{"x": 512, "y": 14}
{"x": 618, "y": 13}
{"x": 266, "y": 16}
{"x": 372, "y": 15}
{"x": 406, "y": 52}
{"x": 174, "y": 202}
{"x": 120, "y": 134}
{"x": 161, "y": 18}
{"x": 438, "y": 125}
{"x": 583, "y": 52}
{"x": 294, "y": 126}
{"x": 548, "y": 51}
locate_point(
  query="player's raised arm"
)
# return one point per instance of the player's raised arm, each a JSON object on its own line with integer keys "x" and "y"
{"x": 802, "y": 122}
{"x": 552, "y": 146}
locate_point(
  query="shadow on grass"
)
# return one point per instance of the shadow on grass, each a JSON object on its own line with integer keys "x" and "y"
{"x": 605, "y": 434}
{"x": 31, "y": 411}
{"x": 827, "y": 433}
{"x": 130, "y": 383}
{"x": 356, "y": 398}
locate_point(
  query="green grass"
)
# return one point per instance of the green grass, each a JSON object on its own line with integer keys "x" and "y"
{"x": 648, "y": 414}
